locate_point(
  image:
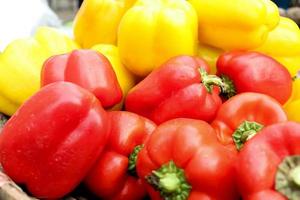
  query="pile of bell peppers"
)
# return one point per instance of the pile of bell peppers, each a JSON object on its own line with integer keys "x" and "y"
{"x": 163, "y": 99}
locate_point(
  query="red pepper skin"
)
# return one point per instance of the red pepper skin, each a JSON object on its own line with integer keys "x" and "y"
{"x": 256, "y": 72}
{"x": 53, "y": 140}
{"x": 174, "y": 90}
{"x": 247, "y": 106}
{"x": 194, "y": 148}
{"x": 87, "y": 68}
{"x": 109, "y": 178}
{"x": 258, "y": 161}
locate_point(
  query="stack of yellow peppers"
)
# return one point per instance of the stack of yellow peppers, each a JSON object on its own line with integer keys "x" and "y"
{"x": 21, "y": 63}
{"x": 148, "y": 32}
{"x": 138, "y": 35}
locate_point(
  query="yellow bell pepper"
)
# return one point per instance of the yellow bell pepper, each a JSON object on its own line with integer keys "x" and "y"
{"x": 235, "y": 24}
{"x": 152, "y": 31}
{"x": 283, "y": 44}
{"x": 292, "y": 107}
{"x": 125, "y": 78}
{"x": 210, "y": 55}
{"x": 97, "y": 21}
{"x": 21, "y": 63}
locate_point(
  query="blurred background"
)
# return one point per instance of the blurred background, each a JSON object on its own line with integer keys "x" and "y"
{"x": 65, "y": 9}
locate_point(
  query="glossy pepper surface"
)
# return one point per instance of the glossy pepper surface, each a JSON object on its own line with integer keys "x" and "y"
{"x": 226, "y": 25}
{"x": 254, "y": 72}
{"x": 242, "y": 116}
{"x": 268, "y": 166}
{"x": 87, "y": 68}
{"x": 125, "y": 78}
{"x": 52, "y": 141}
{"x": 178, "y": 88}
{"x": 292, "y": 107}
{"x": 162, "y": 29}
{"x": 114, "y": 176}
{"x": 97, "y": 21}
{"x": 21, "y": 63}
{"x": 184, "y": 160}
{"x": 283, "y": 44}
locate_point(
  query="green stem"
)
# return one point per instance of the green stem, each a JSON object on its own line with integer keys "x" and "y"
{"x": 295, "y": 176}
{"x": 224, "y": 83}
{"x": 245, "y": 132}
{"x": 210, "y": 80}
{"x": 170, "y": 181}
{"x": 228, "y": 88}
{"x": 287, "y": 180}
{"x": 132, "y": 159}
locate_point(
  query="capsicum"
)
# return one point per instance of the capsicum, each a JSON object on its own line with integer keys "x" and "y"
{"x": 21, "y": 63}
{"x": 254, "y": 72}
{"x": 162, "y": 29}
{"x": 125, "y": 78}
{"x": 53, "y": 140}
{"x": 242, "y": 116}
{"x": 184, "y": 160}
{"x": 292, "y": 107}
{"x": 268, "y": 166}
{"x": 114, "y": 175}
{"x": 180, "y": 87}
{"x": 97, "y": 21}
{"x": 283, "y": 44}
{"x": 226, "y": 25}
{"x": 210, "y": 55}
{"x": 87, "y": 68}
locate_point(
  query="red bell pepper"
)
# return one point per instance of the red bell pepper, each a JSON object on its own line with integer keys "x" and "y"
{"x": 184, "y": 160}
{"x": 268, "y": 167}
{"x": 254, "y": 72}
{"x": 114, "y": 176}
{"x": 243, "y": 115}
{"x": 87, "y": 68}
{"x": 178, "y": 88}
{"x": 53, "y": 140}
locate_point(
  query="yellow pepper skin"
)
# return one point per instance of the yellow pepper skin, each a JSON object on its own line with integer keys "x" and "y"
{"x": 97, "y": 21}
{"x": 292, "y": 107}
{"x": 152, "y": 31}
{"x": 210, "y": 55}
{"x": 283, "y": 44}
{"x": 21, "y": 63}
{"x": 235, "y": 24}
{"x": 125, "y": 78}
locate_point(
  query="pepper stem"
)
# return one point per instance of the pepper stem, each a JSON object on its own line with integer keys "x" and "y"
{"x": 132, "y": 159}
{"x": 228, "y": 88}
{"x": 245, "y": 132}
{"x": 224, "y": 83}
{"x": 170, "y": 181}
{"x": 295, "y": 175}
{"x": 210, "y": 80}
{"x": 287, "y": 180}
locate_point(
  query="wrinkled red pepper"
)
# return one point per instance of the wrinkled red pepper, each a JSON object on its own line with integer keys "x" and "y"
{"x": 184, "y": 160}
{"x": 87, "y": 68}
{"x": 254, "y": 72}
{"x": 243, "y": 115}
{"x": 268, "y": 167}
{"x": 52, "y": 141}
{"x": 178, "y": 88}
{"x": 114, "y": 176}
